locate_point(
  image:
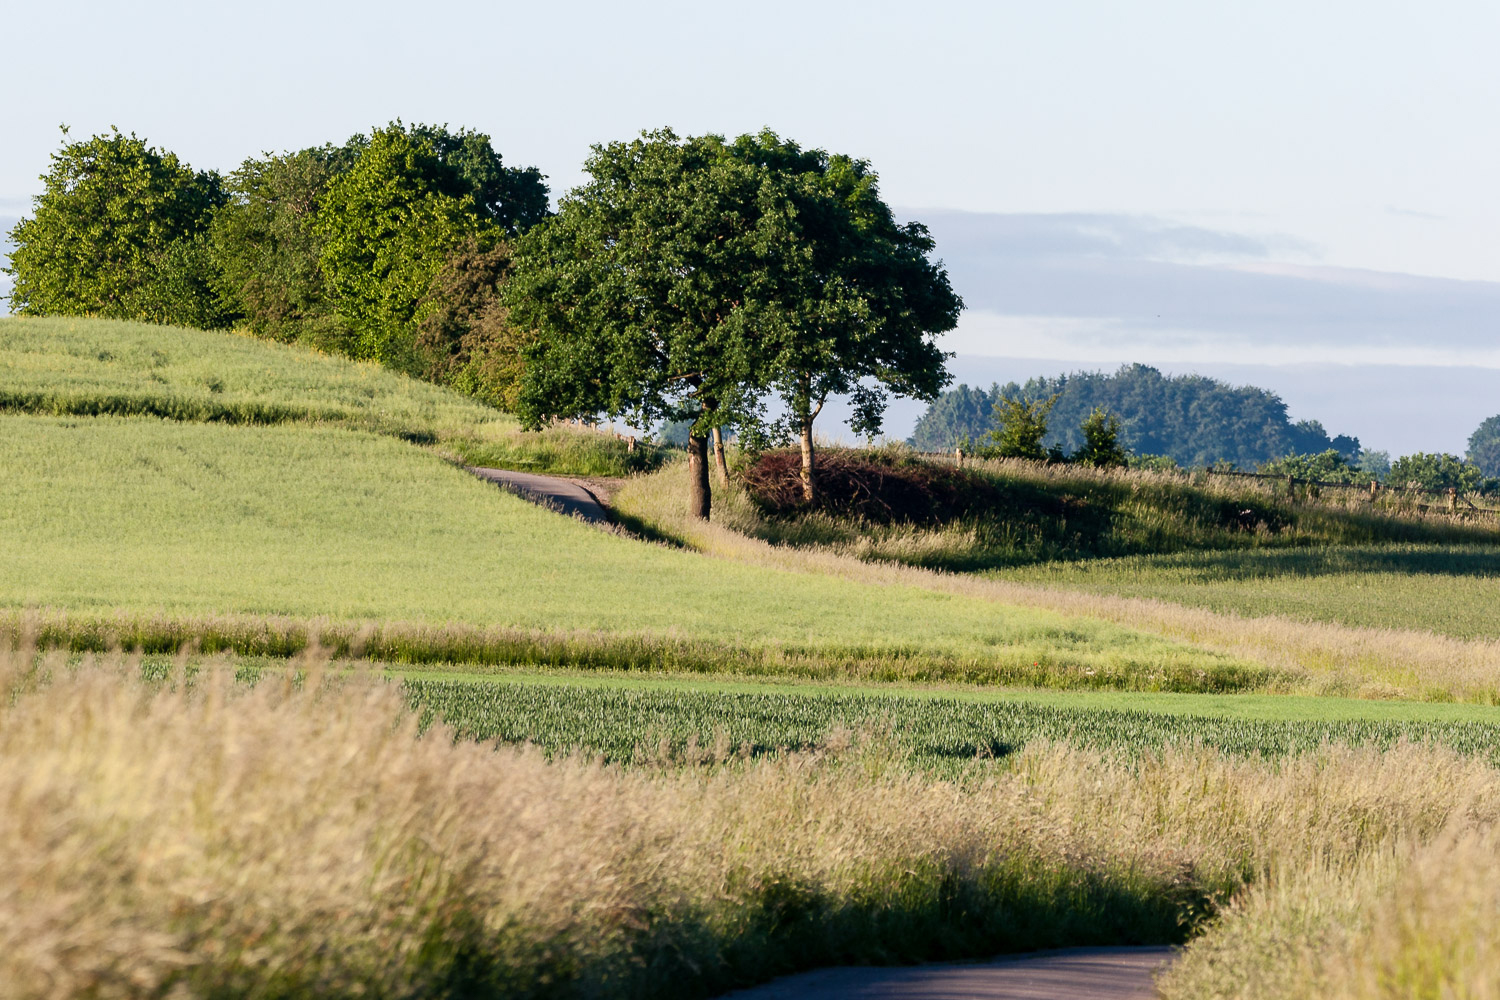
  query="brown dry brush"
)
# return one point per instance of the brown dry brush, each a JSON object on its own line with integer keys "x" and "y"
{"x": 875, "y": 486}
{"x": 213, "y": 839}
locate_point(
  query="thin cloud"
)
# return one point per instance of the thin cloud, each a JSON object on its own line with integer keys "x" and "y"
{"x": 1135, "y": 279}
{"x": 1412, "y": 213}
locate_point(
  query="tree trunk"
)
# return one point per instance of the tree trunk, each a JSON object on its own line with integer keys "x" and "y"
{"x": 809, "y": 489}
{"x": 698, "y": 494}
{"x": 719, "y": 457}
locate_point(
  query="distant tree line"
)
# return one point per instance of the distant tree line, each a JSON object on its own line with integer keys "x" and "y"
{"x": 690, "y": 279}
{"x": 1138, "y": 416}
{"x": 1193, "y": 420}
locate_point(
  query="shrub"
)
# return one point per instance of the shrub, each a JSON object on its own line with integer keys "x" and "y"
{"x": 883, "y": 487}
{"x": 1021, "y": 424}
{"x": 1101, "y": 441}
{"x": 1435, "y": 472}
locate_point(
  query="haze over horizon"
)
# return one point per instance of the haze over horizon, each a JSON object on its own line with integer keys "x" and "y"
{"x": 1295, "y": 197}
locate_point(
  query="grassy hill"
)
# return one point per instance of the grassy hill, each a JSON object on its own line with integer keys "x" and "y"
{"x": 289, "y": 489}
{"x": 90, "y": 367}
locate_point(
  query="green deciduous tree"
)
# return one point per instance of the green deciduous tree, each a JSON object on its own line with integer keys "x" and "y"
{"x": 1435, "y": 471}
{"x": 649, "y": 291}
{"x": 386, "y": 226}
{"x": 1328, "y": 467}
{"x": 465, "y": 337}
{"x": 513, "y": 198}
{"x": 857, "y": 300}
{"x": 266, "y": 249}
{"x": 1020, "y": 426}
{"x": 118, "y": 232}
{"x": 1484, "y": 446}
{"x": 1101, "y": 441}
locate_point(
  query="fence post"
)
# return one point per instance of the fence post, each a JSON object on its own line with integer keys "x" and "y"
{"x": 1453, "y": 499}
{"x": 958, "y": 454}
{"x": 630, "y": 443}
{"x": 1374, "y": 488}
{"x": 1291, "y": 487}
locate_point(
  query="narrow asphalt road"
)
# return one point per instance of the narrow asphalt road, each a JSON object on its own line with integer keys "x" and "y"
{"x": 560, "y": 494}
{"x": 1069, "y": 974}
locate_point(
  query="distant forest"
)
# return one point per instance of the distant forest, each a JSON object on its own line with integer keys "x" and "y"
{"x": 1196, "y": 420}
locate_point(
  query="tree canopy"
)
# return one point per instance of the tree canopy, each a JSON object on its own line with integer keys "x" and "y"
{"x": 386, "y": 225}
{"x": 268, "y": 252}
{"x": 858, "y": 301}
{"x": 1197, "y": 421}
{"x": 1484, "y": 447}
{"x": 650, "y": 290}
{"x": 1436, "y": 471}
{"x": 117, "y": 231}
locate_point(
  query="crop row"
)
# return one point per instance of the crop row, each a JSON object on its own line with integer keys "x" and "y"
{"x": 625, "y": 725}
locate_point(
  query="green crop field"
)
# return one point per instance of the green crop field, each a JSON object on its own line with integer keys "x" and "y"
{"x": 629, "y": 722}
{"x": 1449, "y": 589}
{"x": 88, "y": 367}
{"x": 153, "y": 517}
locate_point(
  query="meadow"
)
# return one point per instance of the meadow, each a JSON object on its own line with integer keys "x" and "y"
{"x": 390, "y": 731}
{"x": 90, "y": 367}
{"x": 141, "y": 519}
{"x": 1448, "y": 589}
{"x": 1308, "y": 656}
{"x": 891, "y": 505}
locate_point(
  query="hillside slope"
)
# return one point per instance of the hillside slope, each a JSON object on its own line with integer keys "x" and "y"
{"x": 161, "y": 520}
{"x": 72, "y": 366}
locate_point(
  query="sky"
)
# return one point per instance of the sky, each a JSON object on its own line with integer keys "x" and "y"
{"x": 1298, "y": 195}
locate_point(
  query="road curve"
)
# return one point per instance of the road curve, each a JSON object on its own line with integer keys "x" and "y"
{"x": 1067, "y": 974}
{"x": 560, "y": 494}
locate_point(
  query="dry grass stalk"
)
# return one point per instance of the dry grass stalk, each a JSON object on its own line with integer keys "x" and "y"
{"x": 291, "y": 840}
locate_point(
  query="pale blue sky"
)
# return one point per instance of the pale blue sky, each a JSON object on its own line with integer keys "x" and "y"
{"x": 1183, "y": 182}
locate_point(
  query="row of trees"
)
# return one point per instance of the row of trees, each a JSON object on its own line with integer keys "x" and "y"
{"x": 690, "y": 279}
{"x": 1434, "y": 471}
{"x": 1021, "y": 429}
{"x": 1194, "y": 420}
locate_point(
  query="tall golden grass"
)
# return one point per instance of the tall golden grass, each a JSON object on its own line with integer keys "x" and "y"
{"x": 1298, "y": 656}
{"x": 209, "y": 839}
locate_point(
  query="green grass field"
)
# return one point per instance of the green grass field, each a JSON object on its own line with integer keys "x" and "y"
{"x": 89, "y": 367}
{"x": 151, "y": 517}
{"x": 1451, "y": 590}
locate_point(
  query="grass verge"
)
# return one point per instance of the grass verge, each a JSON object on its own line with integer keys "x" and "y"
{"x": 1448, "y": 589}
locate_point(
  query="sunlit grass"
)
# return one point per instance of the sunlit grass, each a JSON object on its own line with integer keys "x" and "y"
{"x": 164, "y": 521}
{"x": 1452, "y": 590}
{"x": 86, "y": 367}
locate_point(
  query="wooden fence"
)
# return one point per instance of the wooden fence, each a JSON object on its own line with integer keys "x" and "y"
{"x": 1454, "y": 502}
